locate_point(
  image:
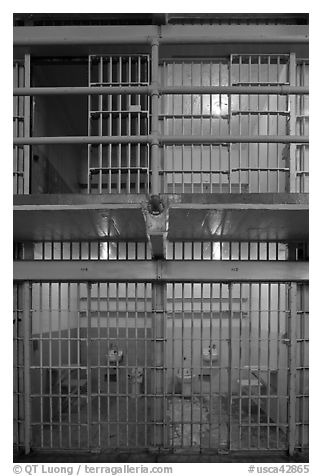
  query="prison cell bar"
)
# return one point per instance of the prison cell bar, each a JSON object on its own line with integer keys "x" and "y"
{"x": 292, "y": 324}
{"x": 26, "y": 315}
{"x": 155, "y": 162}
{"x": 27, "y": 115}
{"x": 197, "y": 139}
{"x": 292, "y": 125}
{"x": 103, "y": 36}
{"x": 162, "y": 90}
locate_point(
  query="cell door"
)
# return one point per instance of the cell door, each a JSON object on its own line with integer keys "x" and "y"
{"x": 193, "y": 366}
{"x": 90, "y": 366}
{"x": 229, "y": 366}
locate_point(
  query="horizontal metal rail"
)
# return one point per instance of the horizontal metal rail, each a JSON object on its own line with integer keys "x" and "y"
{"x": 116, "y": 90}
{"x": 203, "y": 139}
{"x": 82, "y": 140}
{"x": 148, "y": 271}
{"x": 166, "y": 140}
{"x": 106, "y": 36}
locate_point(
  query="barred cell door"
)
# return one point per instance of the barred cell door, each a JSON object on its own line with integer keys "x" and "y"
{"x": 231, "y": 368}
{"x": 206, "y": 367}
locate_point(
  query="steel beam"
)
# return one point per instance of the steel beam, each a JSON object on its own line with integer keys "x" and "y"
{"x": 111, "y": 35}
{"x": 82, "y": 140}
{"x": 117, "y": 90}
{"x": 168, "y": 271}
{"x": 203, "y": 139}
{"x": 163, "y": 140}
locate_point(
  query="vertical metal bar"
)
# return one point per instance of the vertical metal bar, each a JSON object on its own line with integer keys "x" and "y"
{"x": 26, "y": 133}
{"x": 89, "y": 370}
{"x": 136, "y": 363}
{"x": 292, "y": 368}
{"x": 110, "y": 119}
{"x": 250, "y": 318}
{"x": 68, "y": 355}
{"x": 117, "y": 314}
{"x": 89, "y": 128}
{"x": 192, "y": 285}
{"x": 268, "y": 397}
{"x": 182, "y": 357}
{"x": 277, "y": 122}
{"x": 220, "y": 422}
{"x": 259, "y": 349}
{"x": 155, "y": 160}
{"x": 292, "y": 123}
{"x": 278, "y": 338}
{"x": 99, "y": 362}
{"x": 50, "y": 364}
{"x": 108, "y": 407}
{"x": 78, "y": 360}
{"x": 100, "y": 127}
{"x": 239, "y": 129}
{"x": 59, "y": 366}
{"x": 159, "y": 320}
{"x": 268, "y": 128}
{"x": 230, "y": 364}
{"x": 240, "y": 363}
{"x": 26, "y": 327}
{"x": 41, "y": 363}
{"x": 146, "y": 334}
{"x": 258, "y": 126}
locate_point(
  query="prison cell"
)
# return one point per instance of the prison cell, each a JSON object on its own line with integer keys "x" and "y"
{"x": 225, "y": 167}
{"x": 122, "y": 167}
{"x": 197, "y": 366}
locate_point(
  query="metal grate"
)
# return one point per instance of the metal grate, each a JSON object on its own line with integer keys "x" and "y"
{"x": 302, "y": 368}
{"x": 120, "y": 168}
{"x": 302, "y": 128}
{"x": 243, "y": 167}
{"x": 21, "y": 118}
{"x": 196, "y": 366}
{"x": 224, "y": 250}
{"x": 18, "y": 369}
{"x": 179, "y": 250}
{"x": 91, "y": 250}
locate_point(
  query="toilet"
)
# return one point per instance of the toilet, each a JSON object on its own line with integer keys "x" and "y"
{"x": 185, "y": 378}
{"x": 135, "y": 380}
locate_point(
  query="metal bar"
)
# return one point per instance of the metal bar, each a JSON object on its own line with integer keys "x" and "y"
{"x": 158, "y": 332}
{"x": 120, "y": 35}
{"x": 26, "y": 124}
{"x": 292, "y": 125}
{"x": 292, "y": 331}
{"x": 163, "y": 90}
{"x": 230, "y": 368}
{"x": 197, "y": 139}
{"x": 176, "y": 270}
{"x": 82, "y": 140}
{"x": 89, "y": 370}
{"x": 200, "y": 139}
{"x": 26, "y": 343}
{"x": 155, "y": 155}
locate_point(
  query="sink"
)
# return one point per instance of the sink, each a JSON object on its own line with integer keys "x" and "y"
{"x": 210, "y": 353}
{"x": 114, "y": 356}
